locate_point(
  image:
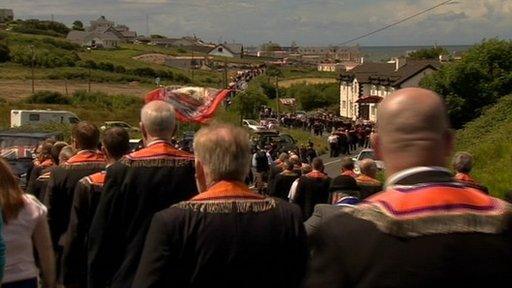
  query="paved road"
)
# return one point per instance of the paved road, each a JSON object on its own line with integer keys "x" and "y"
{"x": 332, "y": 165}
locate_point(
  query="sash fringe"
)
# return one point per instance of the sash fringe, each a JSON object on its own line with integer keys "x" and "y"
{"x": 84, "y": 165}
{"x": 229, "y": 206}
{"x": 462, "y": 222}
{"x": 160, "y": 162}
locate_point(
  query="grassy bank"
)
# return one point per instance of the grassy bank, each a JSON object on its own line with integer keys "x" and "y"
{"x": 488, "y": 139}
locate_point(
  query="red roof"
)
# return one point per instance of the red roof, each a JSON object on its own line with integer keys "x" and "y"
{"x": 369, "y": 99}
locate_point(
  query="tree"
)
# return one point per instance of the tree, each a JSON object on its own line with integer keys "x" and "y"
{"x": 482, "y": 77}
{"x": 78, "y": 25}
{"x": 248, "y": 102}
{"x": 270, "y": 47}
{"x": 428, "y": 53}
{"x": 4, "y": 53}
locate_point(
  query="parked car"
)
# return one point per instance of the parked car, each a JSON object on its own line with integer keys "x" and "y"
{"x": 38, "y": 117}
{"x": 18, "y": 150}
{"x": 284, "y": 142}
{"x": 121, "y": 124}
{"x": 136, "y": 144}
{"x": 270, "y": 123}
{"x": 366, "y": 154}
{"x": 252, "y": 125}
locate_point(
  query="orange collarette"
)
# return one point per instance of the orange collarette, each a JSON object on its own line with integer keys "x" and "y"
{"x": 86, "y": 157}
{"x": 227, "y": 189}
{"x": 160, "y": 148}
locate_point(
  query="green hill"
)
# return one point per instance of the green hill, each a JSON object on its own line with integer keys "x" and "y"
{"x": 489, "y": 139}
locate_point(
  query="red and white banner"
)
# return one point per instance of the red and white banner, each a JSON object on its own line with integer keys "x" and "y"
{"x": 287, "y": 101}
{"x": 192, "y": 104}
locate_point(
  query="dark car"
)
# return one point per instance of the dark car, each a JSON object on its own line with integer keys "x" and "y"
{"x": 18, "y": 150}
{"x": 283, "y": 142}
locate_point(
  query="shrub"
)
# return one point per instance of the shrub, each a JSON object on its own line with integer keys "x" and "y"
{"x": 106, "y": 66}
{"x": 119, "y": 69}
{"x": 34, "y": 26}
{"x": 100, "y": 99}
{"x": 48, "y": 97}
{"x": 4, "y": 53}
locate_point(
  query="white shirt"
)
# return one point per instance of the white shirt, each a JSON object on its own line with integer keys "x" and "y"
{"x": 332, "y": 139}
{"x": 293, "y": 189}
{"x": 396, "y": 177}
{"x": 19, "y": 256}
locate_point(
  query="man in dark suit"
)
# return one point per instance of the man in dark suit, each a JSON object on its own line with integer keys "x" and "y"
{"x": 227, "y": 236}
{"x": 137, "y": 186}
{"x": 424, "y": 229}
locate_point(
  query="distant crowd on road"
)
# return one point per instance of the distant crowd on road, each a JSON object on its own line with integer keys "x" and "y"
{"x": 96, "y": 215}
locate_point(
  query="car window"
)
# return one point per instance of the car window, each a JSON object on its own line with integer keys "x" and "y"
{"x": 366, "y": 155}
{"x": 73, "y": 120}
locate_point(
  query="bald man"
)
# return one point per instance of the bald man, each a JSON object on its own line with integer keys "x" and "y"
{"x": 424, "y": 229}
{"x": 137, "y": 186}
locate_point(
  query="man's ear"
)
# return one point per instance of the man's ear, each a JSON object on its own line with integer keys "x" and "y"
{"x": 143, "y": 132}
{"x": 375, "y": 141}
{"x": 200, "y": 176}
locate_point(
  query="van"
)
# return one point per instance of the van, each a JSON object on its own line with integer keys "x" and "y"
{"x": 37, "y": 117}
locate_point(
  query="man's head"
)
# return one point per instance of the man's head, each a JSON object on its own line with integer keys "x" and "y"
{"x": 46, "y": 150}
{"x": 347, "y": 164}
{"x": 115, "y": 143}
{"x": 56, "y": 148}
{"x": 66, "y": 153}
{"x": 283, "y": 157}
{"x": 157, "y": 120}
{"x": 368, "y": 167}
{"x": 294, "y": 159}
{"x": 462, "y": 162}
{"x": 318, "y": 164}
{"x": 222, "y": 153}
{"x": 412, "y": 130}
{"x": 305, "y": 169}
{"x": 86, "y": 136}
{"x": 288, "y": 165}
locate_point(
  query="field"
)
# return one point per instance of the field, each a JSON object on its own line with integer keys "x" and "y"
{"x": 310, "y": 81}
{"x": 17, "y": 89}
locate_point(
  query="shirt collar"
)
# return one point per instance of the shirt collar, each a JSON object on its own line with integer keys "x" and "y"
{"x": 157, "y": 142}
{"x": 430, "y": 172}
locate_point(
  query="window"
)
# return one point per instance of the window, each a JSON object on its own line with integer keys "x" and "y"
{"x": 373, "y": 109}
{"x": 220, "y": 49}
{"x": 33, "y": 117}
{"x": 344, "y": 104}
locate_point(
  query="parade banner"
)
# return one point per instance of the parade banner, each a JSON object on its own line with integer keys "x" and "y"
{"x": 287, "y": 101}
{"x": 192, "y": 104}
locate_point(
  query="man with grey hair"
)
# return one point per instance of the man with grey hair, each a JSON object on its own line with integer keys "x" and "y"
{"x": 367, "y": 181}
{"x": 137, "y": 186}
{"x": 463, "y": 164}
{"x": 227, "y": 236}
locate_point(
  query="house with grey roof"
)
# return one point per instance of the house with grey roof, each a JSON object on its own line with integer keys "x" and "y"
{"x": 95, "y": 39}
{"x": 6, "y": 15}
{"x": 102, "y": 34}
{"x": 230, "y": 50}
{"x": 366, "y": 85}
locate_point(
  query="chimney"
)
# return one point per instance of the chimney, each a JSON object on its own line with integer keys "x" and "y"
{"x": 399, "y": 63}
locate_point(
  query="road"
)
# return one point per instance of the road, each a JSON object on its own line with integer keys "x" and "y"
{"x": 332, "y": 165}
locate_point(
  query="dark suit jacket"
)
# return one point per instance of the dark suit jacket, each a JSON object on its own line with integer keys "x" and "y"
{"x": 253, "y": 244}
{"x": 281, "y": 185}
{"x": 136, "y": 187}
{"x": 350, "y": 251}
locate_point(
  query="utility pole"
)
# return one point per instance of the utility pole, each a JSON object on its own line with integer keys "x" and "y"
{"x": 225, "y": 73}
{"x": 192, "y": 61}
{"x": 66, "y": 86}
{"x": 32, "y": 66}
{"x": 89, "y": 80}
{"x": 277, "y": 95}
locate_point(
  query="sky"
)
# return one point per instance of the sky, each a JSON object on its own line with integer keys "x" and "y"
{"x": 306, "y": 22}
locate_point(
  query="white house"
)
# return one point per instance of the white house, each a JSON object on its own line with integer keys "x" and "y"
{"x": 94, "y": 39}
{"x": 330, "y": 67}
{"x": 227, "y": 50}
{"x": 365, "y": 86}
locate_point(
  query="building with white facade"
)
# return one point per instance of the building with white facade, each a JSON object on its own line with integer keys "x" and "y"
{"x": 228, "y": 50}
{"x": 365, "y": 86}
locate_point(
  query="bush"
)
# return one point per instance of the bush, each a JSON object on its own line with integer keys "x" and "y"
{"x": 4, "y": 53}
{"x": 48, "y": 97}
{"x": 103, "y": 100}
{"x": 106, "y": 66}
{"x": 43, "y": 57}
{"x": 34, "y": 26}
{"x": 119, "y": 69}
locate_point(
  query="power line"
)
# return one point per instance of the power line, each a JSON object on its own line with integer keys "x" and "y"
{"x": 399, "y": 21}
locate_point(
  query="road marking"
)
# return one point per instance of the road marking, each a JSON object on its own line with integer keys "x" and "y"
{"x": 332, "y": 162}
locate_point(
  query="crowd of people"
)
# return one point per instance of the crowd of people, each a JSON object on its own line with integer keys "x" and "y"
{"x": 97, "y": 215}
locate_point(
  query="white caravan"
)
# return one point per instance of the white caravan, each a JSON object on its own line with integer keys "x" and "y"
{"x": 37, "y": 117}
